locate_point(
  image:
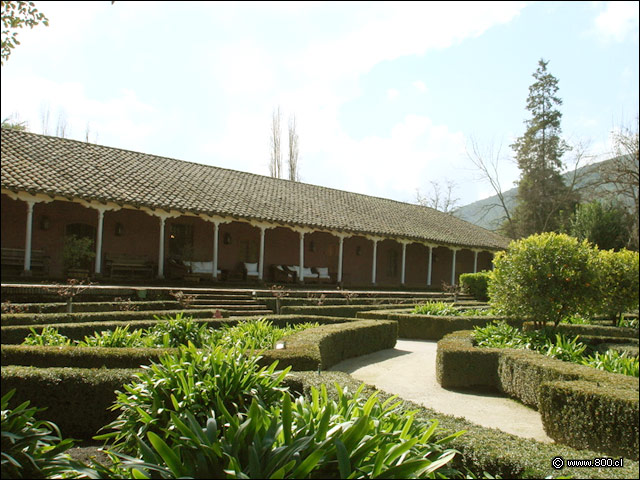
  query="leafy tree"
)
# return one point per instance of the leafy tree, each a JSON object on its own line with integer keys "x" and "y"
{"x": 607, "y": 226}
{"x": 17, "y": 15}
{"x": 545, "y": 277}
{"x": 617, "y": 283}
{"x": 544, "y": 201}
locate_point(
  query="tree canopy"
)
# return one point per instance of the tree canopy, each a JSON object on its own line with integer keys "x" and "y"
{"x": 544, "y": 201}
{"x": 17, "y": 15}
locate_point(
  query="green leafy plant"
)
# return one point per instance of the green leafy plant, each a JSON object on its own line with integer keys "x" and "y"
{"x": 545, "y": 277}
{"x": 350, "y": 437}
{"x": 569, "y": 350}
{"x": 436, "y": 308}
{"x": 121, "y": 337}
{"x": 31, "y": 448}
{"x": 613, "y": 361}
{"x": 49, "y": 336}
{"x": 544, "y": 341}
{"x": 179, "y": 330}
{"x": 194, "y": 380}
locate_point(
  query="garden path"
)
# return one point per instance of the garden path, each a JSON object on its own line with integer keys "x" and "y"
{"x": 409, "y": 371}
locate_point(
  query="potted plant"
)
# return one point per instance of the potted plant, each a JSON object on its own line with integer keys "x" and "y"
{"x": 77, "y": 254}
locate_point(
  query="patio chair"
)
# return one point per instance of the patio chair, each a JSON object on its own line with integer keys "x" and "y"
{"x": 323, "y": 274}
{"x": 251, "y": 271}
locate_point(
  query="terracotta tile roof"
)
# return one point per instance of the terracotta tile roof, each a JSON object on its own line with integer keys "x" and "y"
{"x": 70, "y": 168}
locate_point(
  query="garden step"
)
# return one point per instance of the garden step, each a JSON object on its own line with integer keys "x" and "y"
{"x": 226, "y": 301}
{"x": 233, "y": 307}
{"x": 250, "y": 313}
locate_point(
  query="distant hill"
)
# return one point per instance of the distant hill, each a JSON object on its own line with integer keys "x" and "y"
{"x": 488, "y": 213}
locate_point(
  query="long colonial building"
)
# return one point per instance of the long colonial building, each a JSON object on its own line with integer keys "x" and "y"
{"x": 160, "y": 209}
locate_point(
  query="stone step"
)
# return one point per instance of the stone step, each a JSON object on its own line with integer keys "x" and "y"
{"x": 232, "y": 307}
{"x": 226, "y": 301}
{"x": 250, "y": 313}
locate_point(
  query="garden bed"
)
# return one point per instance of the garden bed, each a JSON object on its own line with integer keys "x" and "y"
{"x": 580, "y": 406}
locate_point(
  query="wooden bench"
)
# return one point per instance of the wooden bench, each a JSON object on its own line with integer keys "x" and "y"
{"x": 127, "y": 266}
{"x": 13, "y": 262}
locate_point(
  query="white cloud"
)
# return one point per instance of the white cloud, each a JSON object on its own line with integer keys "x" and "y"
{"x": 392, "y": 93}
{"x": 123, "y": 116}
{"x": 420, "y": 86}
{"x": 618, "y": 21}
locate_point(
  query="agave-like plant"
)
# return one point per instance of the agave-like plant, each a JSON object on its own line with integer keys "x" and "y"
{"x": 192, "y": 380}
{"x": 31, "y": 448}
{"x": 352, "y": 437}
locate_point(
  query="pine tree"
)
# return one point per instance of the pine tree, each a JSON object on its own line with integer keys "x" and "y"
{"x": 545, "y": 203}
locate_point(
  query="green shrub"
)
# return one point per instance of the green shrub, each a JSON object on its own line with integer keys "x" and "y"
{"x": 618, "y": 284}
{"x": 48, "y": 336}
{"x": 476, "y": 284}
{"x": 31, "y": 448}
{"x": 555, "y": 345}
{"x": 614, "y": 362}
{"x": 121, "y": 337}
{"x": 350, "y": 437}
{"x": 545, "y": 277}
{"x": 195, "y": 380}
{"x": 177, "y": 330}
{"x": 436, "y": 308}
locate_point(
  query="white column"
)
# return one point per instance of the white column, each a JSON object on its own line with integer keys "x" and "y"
{"x": 430, "y": 265}
{"x": 27, "y": 240}
{"x": 475, "y": 261}
{"x": 261, "y": 260}
{"x": 453, "y": 266}
{"x": 301, "y": 274}
{"x": 161, "y": 249}
{"x": 99, "y": 242}
{"x": 340, "y": 250}
{"x": 214, "y": 260}
{"x": 375, "y": 259}
{"x": 404, "y": 259}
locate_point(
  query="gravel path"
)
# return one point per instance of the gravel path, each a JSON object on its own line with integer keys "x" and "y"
{"x": 408, "y": 370}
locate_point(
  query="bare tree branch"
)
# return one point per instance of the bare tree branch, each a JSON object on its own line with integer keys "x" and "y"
{"x": 294, "y": 173}
{"x": 439, "y": 199}
{"x": 275, "y": 165}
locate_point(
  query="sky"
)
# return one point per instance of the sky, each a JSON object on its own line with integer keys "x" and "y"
{"x": 387, "y": 97}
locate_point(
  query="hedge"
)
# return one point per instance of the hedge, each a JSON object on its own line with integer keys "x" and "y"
{"x": 523, "y": 374}
{"x": 335, "y": 340}
{"x": 347, "y": 311}
{"x": 432, "y": 327}
{"x": 482, "y": 449}
{"x": 60, "y": 389}
{"x": 48, "y": 318}
{"x": 476, "y": 284}
{"x": 567, "y": 410}
{"x": 57, "y": 307}
{"x": 76, "y": 399}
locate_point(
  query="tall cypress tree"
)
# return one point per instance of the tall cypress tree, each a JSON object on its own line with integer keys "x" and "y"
{"x": 544, "y": 201}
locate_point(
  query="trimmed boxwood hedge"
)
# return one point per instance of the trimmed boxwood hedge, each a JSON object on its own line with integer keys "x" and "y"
{"x": 49, "y": 318}
{"x": 482, "y": 449}
{"x": 347, "y": 311}
{"x": 76, "y": 399}
{"x": 568, "y": 408}
{"x": 57, "y": 307}
{"x": 335, "y": 340}
{"x": 523, "y": 374}
{"x": 431, "y": 327}
{"x": 59, "y": 389}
